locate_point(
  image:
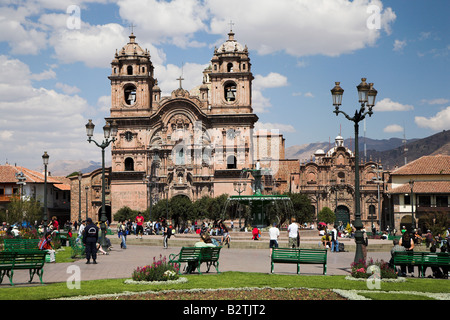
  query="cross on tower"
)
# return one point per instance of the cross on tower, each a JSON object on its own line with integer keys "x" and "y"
{"x": 180, "y": 79}
{"x": 132, "y": 27}
{"x": 231, "y": 25}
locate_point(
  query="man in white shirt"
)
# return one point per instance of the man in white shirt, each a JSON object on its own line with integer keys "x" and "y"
{"x": 293, "y": 234}
{"x": 274, "y": 233}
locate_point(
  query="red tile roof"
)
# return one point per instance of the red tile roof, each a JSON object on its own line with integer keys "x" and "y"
{"x": 8, "y": 175}
{"x": 431, "y": 187}
{"x": 438, "y": 164}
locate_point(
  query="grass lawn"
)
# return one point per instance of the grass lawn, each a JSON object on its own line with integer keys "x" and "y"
{"x": 226, "y": 280}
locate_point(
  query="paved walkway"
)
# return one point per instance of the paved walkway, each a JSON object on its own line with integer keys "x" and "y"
{"x": 121, "y": 263}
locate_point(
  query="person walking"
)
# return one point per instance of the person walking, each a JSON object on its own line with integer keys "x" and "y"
{"x": 293, "y": 234}
{"x": 122, "y": 232}
{"x": 334, "y": 240}
{"x": 274, "y": 233}
{"x": 81, "y": 230}
{"x": 166, "y": 234}
{"x": 139, "y": 225}
{"x": 90, "y": 239}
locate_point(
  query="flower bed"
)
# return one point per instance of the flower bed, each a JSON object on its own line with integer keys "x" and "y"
{"x": 381, "y": 269}
{"x": 159, "y": 270}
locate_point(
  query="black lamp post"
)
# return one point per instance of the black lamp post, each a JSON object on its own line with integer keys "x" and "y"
{"x": 240, "y": 187}
{"x": 45, "y": 157}
{"x": 413, "y": 221}
{"x": 367, "y": 95}
{"x": 108, "y": 130}
{"x": 80, "y": 177}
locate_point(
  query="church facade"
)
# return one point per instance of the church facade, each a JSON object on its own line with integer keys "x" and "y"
{"x": 196, "y": 143}
{"x": 184, "y": 144}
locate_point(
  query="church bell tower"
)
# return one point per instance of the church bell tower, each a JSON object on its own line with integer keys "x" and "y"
{"x": 131, "y": 81}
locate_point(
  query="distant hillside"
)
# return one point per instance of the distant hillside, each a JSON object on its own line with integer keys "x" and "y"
{"x": 438, "y": 143}
{"x": 389, "y": 151}
{"x": 66, "y": 167}
{"x": 305, "y": 151}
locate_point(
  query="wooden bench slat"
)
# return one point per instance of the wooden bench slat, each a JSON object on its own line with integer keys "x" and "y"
{"x": 208, "y": 255}
{"x": 299, "y": 256}
{"x": 32, "y": 260}
{"x": 421, "y": 260}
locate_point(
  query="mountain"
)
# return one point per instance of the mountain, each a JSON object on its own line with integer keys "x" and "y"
{"x": 438, "y": 143}
{"x": 388, "y": 151}
{"x": 66, "y": 167}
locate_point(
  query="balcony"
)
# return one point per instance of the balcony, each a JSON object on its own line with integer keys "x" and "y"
{"x": 5, "y": 197}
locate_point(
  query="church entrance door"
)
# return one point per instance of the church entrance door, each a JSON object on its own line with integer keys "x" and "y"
{"x": 342, "y": 215}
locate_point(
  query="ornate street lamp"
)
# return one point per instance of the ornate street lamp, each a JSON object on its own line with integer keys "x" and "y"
{"x": 80, "y": 177}
{"x": 108, "y": 130}
{"x": 413, "y": 225}
{"x": 45, "y": 157}
{"x": 367, "y": 95}
{"x": 240, "y": 187}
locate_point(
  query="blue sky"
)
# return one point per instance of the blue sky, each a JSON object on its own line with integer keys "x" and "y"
{"x": 54, "y": 64}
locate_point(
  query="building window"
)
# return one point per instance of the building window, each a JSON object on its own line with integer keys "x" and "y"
{"x": 129, "y": 164}
{"x": 130, "y": 70}
{"x": 230, "y": 92}
{"x": 128, "y": 136}
{"x": 371, "y": 210}
{"x": 231, "y": 162}
{"x": 424, "y": 201}
{"x": 230, "y": 67}
{"x": 441, "y": 201}
{"x": 130, "y": 94}
{"x": 407, "y": 199}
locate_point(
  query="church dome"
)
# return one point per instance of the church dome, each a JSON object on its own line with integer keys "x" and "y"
{"x": 231, "y": 45}
{"x": 132, "y": 48}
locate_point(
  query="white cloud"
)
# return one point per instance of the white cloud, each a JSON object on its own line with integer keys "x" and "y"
{"x": 399, "y": 45}
{"x": 272, "y": 80}
{"x": 309, "y": 95}
{"x": 388, "y": 105}
{"x": 441, "y": 121}
{"x": 326, "y": 27}
{"x": 66, "y": 88}
{"x": 393, "y": 128}
{"x": 38, "y": 118}
{"x": 435, "y": 101}
{"x": 161, "y": 21}
{"x": 282, "y": 128}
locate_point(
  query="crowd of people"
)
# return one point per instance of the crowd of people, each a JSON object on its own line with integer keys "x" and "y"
{"x": 409, "y": 241}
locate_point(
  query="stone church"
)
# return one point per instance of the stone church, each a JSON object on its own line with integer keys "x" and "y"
{"x": 196, "y": 143}
{"x": 189, "y": 143}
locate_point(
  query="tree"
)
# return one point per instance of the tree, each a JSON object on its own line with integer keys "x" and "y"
{"x": 23, "y": 210}
{"x": 327, "y": 215}
{"x": 125, "y": 213}
{"x": 181, "y": 209}
{"x": 303, "y": 210}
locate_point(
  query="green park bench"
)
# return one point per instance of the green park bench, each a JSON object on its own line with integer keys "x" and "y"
{"x": 32, "y": 260}
{"x": 21, "y": 244}
{"x": 421, "y": 260}
{"x": 197, "y": 256}
{"x": 299, "y": 256}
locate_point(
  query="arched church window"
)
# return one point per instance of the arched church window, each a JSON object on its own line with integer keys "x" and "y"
{"x": 129, "y": 70}
{"x": 231, "y": 162}
{"x": 230, "y": 92}
{"x": 128, "y": 136}
{"x": 129, "y": 164}
{"x": 230, "y": 67}
{"x": 130, "y": 94}
{"x": 371, "y": 210}
{"x": 179, "y": 156}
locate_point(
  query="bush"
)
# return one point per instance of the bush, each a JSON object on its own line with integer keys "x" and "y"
{"x": 362, "y": 269}
{"x": 159, "y": 270}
